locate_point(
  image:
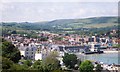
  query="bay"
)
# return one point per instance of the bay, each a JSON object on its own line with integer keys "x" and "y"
{"x": 107, "y": 58}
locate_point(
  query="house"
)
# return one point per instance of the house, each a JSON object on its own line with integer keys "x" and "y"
{"x": 44, "y": 50}
{"x": 41, "y": 52}
{"x": 27, "y": 51}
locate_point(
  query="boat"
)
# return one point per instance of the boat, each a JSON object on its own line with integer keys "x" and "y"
{"x": 94, "y": 52}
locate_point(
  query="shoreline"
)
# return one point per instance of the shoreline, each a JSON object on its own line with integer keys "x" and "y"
{"x": 111, "y": 51}
{"x": 103, "y": 53}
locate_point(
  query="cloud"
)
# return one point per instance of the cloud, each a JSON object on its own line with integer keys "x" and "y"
{"x": 79, "y": 13}
{"x": 60, "y": 0}
{"x": 115, "y": 11}
{"x": 38, "y": 11}
{"x": 82, "y": 11}
{"x": 53, "y": 9}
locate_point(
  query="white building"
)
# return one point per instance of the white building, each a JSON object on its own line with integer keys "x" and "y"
{"x": 41, "y": 52}
{"x": 37, "y": 51}
{"x": 28, "y": 51}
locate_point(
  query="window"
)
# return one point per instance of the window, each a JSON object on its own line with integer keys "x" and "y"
{"x": 26, "y": 52}
{"x": 27, "y": 49}
{"x": 32, "y": 52}
{"x": 38, "y": 50}
{"x": 26, "y": 57}
{"x": 32, "y": 49}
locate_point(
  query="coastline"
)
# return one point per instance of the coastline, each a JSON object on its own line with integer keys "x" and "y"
{"x": 106, "y": 51}
{"x": 105, "y": 57}
{"x": 111, "y": 51}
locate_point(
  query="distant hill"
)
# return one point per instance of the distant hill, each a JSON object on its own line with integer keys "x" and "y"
{"x": 96, "y": 22}
{"x": 67, "y": 24}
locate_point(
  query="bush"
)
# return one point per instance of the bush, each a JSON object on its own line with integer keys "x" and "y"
{"x": 86, "y": 66}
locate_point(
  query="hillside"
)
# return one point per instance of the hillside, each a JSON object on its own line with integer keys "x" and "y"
{"x": 67, "y": 24}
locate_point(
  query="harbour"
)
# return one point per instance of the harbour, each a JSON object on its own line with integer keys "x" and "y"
{"x": 106, "y": 58}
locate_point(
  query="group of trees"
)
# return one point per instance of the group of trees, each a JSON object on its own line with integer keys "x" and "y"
{"x": 10, "y": 51}
{"x": 48, "y": 64}
{"x": 11, "y": 60}
{"x": 10, "y": 54}
{"x": 71, "y": 62}
{"x": 86, "y": 66}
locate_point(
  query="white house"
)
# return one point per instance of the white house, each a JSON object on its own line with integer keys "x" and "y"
{"x": 37, "y": 51}
{"x": 41, "y": 52}
{"x": 28, "y": 51}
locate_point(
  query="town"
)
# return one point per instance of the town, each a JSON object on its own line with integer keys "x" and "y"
{"x": 59, "y": 36}
{"x": 39, "y": 48}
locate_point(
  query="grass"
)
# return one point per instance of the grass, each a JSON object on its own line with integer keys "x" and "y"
{"x": 100, "y": 25}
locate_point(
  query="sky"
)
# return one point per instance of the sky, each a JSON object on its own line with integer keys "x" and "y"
{"x": 36, "y": 11}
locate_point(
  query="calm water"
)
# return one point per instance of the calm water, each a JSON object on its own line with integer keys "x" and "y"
{"x": 108, "y": 58}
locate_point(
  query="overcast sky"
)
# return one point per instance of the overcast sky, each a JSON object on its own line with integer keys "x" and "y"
{"x": 47, "y": 11}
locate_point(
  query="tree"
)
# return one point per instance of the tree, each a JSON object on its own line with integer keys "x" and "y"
{"x": 86, "y": 66}
{"x": 27, "y": 63}
{"x": 70, "y": 60}
{"x": 51, "y": 63}
{"x": 43, "y": 38}
{"x": 98, "y": 68}
{"x": 13, "y": 32}
{"x": 18, "y": 67}
{"x": 6, "y": 63}
{"x": 10, "y": 51}
{"x": 37, "y": 65}
{"x": 0, "y": 62}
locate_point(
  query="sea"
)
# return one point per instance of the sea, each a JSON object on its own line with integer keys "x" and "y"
{"x": 107, "y": 58}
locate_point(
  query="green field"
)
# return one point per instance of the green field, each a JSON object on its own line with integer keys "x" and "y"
{"x": 66, "y": 25}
